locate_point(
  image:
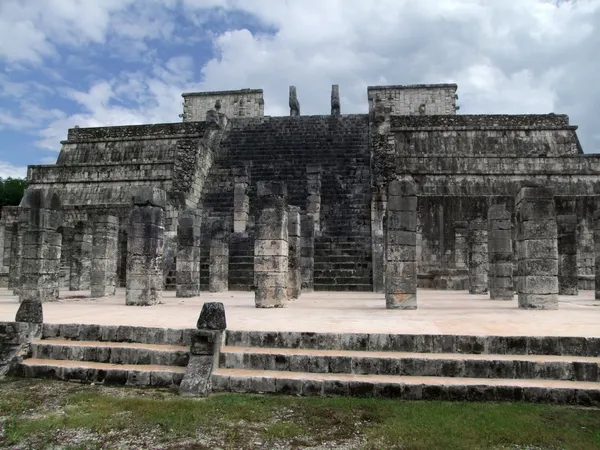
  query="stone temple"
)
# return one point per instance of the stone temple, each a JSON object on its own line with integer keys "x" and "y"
{"x": 493, "y": 217}
{"x": 410, "y": 195}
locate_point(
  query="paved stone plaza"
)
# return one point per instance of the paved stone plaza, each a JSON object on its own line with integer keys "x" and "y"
{"x": 440, "y": 312}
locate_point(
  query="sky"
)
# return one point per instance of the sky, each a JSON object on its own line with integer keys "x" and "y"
{"x": 116, "y": 62}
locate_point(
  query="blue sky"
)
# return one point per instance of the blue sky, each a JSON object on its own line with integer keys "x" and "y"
{"x": 115, "y": 62}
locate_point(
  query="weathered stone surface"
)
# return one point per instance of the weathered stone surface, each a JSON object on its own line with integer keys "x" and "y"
{"x": 218, "y": 280}
{"x": 478, "y": 257}
{"x": 294, "y": 103}
{"x": 401, "y": 239}
{"x": 104, "y": 255}
{"x": 567, "y": 251}
{"x": 145, "y": 246}
{"x": 500, "y": 274}
{"x": 294, "y": 257}
{"x": 188, "y": 254}
{"x": 271, "y": 248}
{"x": 212, "y": 317}
{"x": 537, "y": 281}
{"x": 30, "y": 311}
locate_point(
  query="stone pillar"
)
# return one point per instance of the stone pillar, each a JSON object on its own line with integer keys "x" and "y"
{"x": 81, "y": 258}
{"x": 335, "y": 100}
{"x": 307, "y": 253}
{"x": 188, "y": 254}
{"x": 568, "y": 279}
{"x": 218, "y": 271}
{"x": 478, "y": 257}
{"x": 145, "y": 245}
{"x": 241, "y": 204}
{"x": 65, "y": 256}
{"x": 313, "y": 188}
{"x": 401, "y": 246}
{"x": 597, "y": 253}
{"x": 8, "y": 232}
{"x": 294, "y": 103}
{"x": 294, "y": 263}
{"x": 500, "y": 253}
{"x": 40, "y": 267}
{"x": 378, "y": 239}
{"x": 104, "y": 255}
{"x": 271, "y": 246}
{"x": 16, "y": 243}
{"x": 461, "y": 245}
{"x": 537, "y": 249}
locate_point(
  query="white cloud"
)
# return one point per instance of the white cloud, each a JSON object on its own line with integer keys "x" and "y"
{"x": 8, "y": 170}
{"x": 507, "y": 56}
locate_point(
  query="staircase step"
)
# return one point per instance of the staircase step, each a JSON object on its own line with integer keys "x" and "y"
{"x": 551, "y": 367}
{"x": 111, "y": 352}
{"x": 406, "y": 388}
{"x": 88, "y": 371}
{"x": 419, "y": 343}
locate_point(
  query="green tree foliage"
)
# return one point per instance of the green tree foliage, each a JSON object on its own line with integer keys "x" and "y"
{"x": 11, "y": 191}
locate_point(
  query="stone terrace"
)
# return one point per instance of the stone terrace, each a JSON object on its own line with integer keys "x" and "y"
{"x": 440, "y": 312}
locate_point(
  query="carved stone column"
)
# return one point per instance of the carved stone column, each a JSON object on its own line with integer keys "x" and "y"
{"x": 81, "y": 258}
{"x": 401, "y": 246}
{"x": 537, "y": 249}
{"x": 188, "y": 254}
{"x": 40, "y": 268}
{"x": 294, "y": 270}
{"x": 145, "y": 247}
{"x": 568, "y": 279}
{"x": 104, "y": 255}
{"x": 271, "y": 246}
{"x": 478, "y": 257}
{"x": 218, "y": 276}
{"x": 500, "y": 253}
{"x": 307, "y": 253}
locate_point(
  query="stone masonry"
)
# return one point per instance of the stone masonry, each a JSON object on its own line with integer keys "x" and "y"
{"x": 566, "y": 224}
{"x": 145, "y": 245}
{"x": 271, "y": 246}
{"x": 401, "y": 246}
{"x": 336, "y": 168}
{"x": 40, "y": 265}
{"x": 500, "y": 253}
{"x": 294, "y": 262}
{"x": 537, "y": 250}
{"x": 188, "y": 254}
{"x": 597, "y": 252}
{"x": 478, "y": 257}
{"x": 104, "y": 255}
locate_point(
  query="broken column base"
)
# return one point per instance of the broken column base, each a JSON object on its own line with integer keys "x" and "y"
{"x": 538, "y": 301}
{"x": 401, "y": 301}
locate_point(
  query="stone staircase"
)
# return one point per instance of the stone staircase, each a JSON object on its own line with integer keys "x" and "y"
{"x": 118, "y": 355}
{"x": 441, "y": 367}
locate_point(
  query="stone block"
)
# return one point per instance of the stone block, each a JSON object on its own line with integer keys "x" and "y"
{"x": 538, "y": 301}
{"x": 402, "y": 204}
{"x": 212, "y": 317}
{"x": 537, "y": 249}
{"x": 537, "y": 284}
{"x": 30, "y": 311}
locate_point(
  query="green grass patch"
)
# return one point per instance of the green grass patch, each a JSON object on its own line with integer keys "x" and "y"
{"x": 36, "y": 411}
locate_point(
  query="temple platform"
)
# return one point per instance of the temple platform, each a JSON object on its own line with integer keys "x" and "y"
{"x": 440, "y": 312}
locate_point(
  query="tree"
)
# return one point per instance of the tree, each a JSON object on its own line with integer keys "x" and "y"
{"x": 11, "y": 191}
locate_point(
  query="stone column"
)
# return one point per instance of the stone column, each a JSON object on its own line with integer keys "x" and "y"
{"x": 378, "y": 239}
{"x": 271, "y": 246}
{"x": 478, "y": 257}
{"x": 40, "y": 269}
{"x": 461, "y": 246}
{"x": 14, "y": 274}
{"x": 568, "y": 279}
{"x": 500, "y": 253}
{"x": 65, "y": 256}
{"x": 401, "y": 246}
{"x": 81, "y": 258}
{"x": 313, "y": 188}
{"x": 537, "y": 249}
{"x": 307, "y": 253}
{"x": 218, "y": 270}
{"x": 294, "y": 263}
{"x": 188, "y": 254}
{"x": 8, "y": 233}
{"x": 597, "y": 253}
{"x": 241, "y": 204}
{"x": 145, "y": 245}
{"x": 104, "y": 255}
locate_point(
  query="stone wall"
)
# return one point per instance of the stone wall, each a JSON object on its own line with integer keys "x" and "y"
{"x": 289, "y": 149}
{"x": 420, "y": 99}
{"x": 242, "y": 103}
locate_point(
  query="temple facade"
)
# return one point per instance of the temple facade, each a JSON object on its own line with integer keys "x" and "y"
{"x": 410, "y": 195}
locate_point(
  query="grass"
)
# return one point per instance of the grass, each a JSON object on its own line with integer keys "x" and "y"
{"x": 43, "y": 413}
